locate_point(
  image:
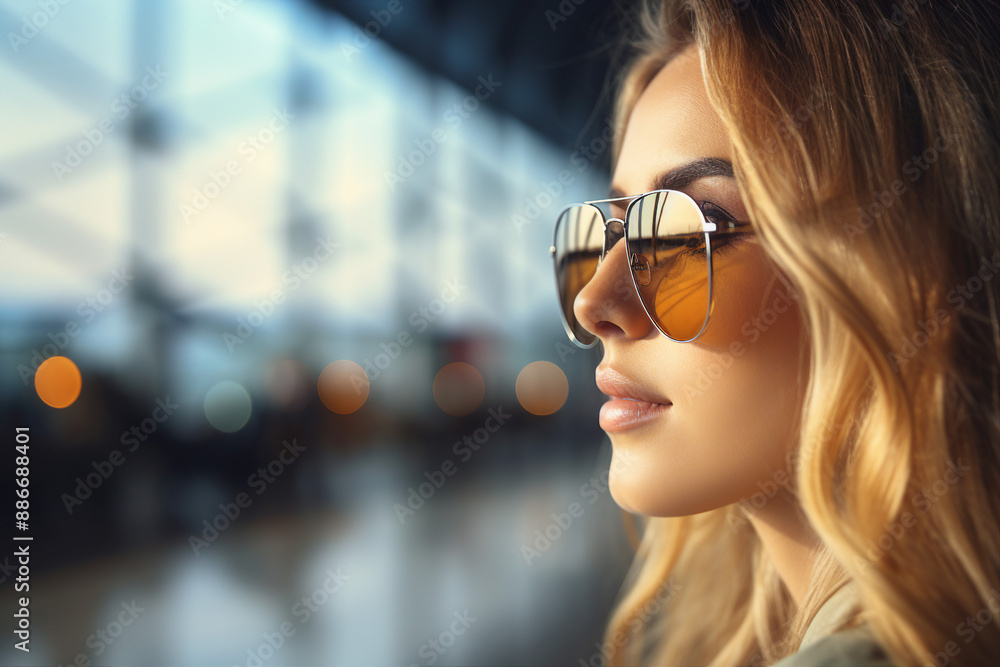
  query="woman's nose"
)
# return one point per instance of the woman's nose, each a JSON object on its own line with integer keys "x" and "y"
{"x": 608, "y": 305}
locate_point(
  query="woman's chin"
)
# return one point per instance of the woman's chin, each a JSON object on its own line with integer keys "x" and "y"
{"x": 628, "y": 495}
{"x": 635, "y": 496}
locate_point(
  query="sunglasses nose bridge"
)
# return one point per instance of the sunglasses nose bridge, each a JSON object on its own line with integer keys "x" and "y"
{"x": 614, "y": 231}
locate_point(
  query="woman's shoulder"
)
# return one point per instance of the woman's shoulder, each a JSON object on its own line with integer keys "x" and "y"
{"x": 854, "y": 647}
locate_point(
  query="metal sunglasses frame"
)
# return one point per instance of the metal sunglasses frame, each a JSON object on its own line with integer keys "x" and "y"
{"x": 707, "y": 227}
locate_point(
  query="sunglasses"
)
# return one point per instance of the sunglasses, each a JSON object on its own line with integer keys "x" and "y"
{"x": 669, "y": 246}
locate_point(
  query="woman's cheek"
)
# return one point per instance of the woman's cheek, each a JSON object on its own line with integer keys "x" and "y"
{"x": 743, "y": 282}
{"x": 744, "y": 386}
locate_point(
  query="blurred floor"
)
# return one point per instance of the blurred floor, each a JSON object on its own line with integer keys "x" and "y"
{"x": 401, "y": 586}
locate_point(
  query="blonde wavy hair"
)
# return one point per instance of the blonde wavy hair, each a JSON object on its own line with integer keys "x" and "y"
{"x": 866, "y": 143}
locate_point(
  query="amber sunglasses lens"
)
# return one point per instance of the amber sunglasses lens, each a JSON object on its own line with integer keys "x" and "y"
{"x": 579, "y": 240}
{"x": 671, "y": 262}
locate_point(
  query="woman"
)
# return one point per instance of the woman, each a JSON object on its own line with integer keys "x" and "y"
{"x": 800, "y": 333}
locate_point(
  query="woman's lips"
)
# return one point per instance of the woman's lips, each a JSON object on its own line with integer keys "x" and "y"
{"x": 630, "y": 404}
{"x": 619, "y": 414}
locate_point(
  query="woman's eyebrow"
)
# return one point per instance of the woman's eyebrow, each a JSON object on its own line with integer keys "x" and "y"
{"x": 678, "y": 177}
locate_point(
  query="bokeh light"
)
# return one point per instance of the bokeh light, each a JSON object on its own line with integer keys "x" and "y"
{"x": 459, "y": 388}
{"x": 58, "y": 382}
{"x": 541, "y": 388}
{"x": 227, "y": 406}
{"x": 287, "y": 384}
{"x": 343, "y": 386}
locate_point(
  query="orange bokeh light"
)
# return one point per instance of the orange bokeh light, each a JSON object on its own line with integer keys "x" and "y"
{"x": 541, "y": 388}
{"x": 343, "y": 386}
{"x": 58, "y": 382}
{"x": 459, "y": 388}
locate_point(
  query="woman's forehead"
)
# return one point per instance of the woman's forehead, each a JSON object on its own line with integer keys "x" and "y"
{"x": 672, "y": 123}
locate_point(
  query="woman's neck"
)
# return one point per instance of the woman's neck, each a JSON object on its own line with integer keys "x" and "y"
{"x": 788, "y": 539}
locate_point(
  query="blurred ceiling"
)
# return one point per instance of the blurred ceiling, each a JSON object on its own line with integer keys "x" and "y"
{"x": 554, "y": 57}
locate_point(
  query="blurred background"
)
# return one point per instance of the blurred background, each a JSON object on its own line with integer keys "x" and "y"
{"x": 297, "y": 252}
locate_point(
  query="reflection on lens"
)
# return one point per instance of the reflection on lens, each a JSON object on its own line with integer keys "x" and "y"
{"x": 578, "y": 242}
{"x": 670, "y": 262}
